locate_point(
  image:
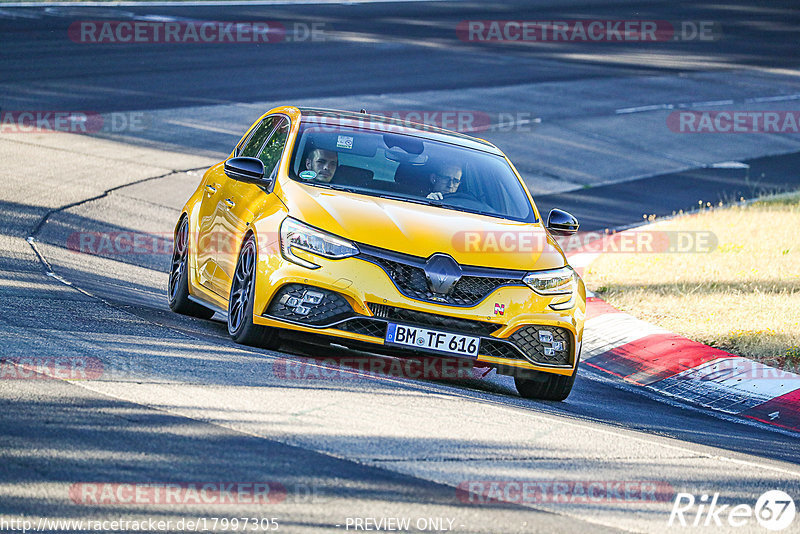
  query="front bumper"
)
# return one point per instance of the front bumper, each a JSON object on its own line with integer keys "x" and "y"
{"x": 354, "y": 299}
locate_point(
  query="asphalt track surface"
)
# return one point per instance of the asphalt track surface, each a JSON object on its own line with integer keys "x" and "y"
{"x": 374, "y": 53}
{"x": 181, "y": 403}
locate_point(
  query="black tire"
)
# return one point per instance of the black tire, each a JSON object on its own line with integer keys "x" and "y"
{"x": 545, "y": 386}
{"x": 178, "y": 285}
{"x": 240, "y": 302}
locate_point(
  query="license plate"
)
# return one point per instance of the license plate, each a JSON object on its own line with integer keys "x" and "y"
{"x": 423, "y": 338}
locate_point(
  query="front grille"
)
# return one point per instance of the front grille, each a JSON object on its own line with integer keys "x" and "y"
{"x": 431, "y": 320}
{"x": 500, "y": 349}
{"x": 297, "y": 303}
{"x": 474, "y": 288}
{"x": 365, "y": 327}
{"x": 408, "y": 274}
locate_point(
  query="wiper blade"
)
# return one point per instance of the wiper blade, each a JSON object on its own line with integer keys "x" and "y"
{"x": 438, "y": 204}
{"x": 423, "y": 201}
{"x": 331, "y": 186}
{"x": 466, "y": 210}
{"x": 342, "y": 188}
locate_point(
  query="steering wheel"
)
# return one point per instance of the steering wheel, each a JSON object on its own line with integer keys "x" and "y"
{"x": 465, "y": 200}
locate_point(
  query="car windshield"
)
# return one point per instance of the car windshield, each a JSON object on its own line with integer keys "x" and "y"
{"x": 410, "y": 169}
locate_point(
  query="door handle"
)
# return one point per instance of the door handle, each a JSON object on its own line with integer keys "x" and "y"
{"x": 230, "y": 202}
{"x": 211, "y": 189}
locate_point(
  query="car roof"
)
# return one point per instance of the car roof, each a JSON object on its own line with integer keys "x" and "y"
{"x": 403, "y": 127}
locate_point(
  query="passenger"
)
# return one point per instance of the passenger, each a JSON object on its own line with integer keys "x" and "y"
{"x": 324, "y": 163}
{"x": 444, "y": 181}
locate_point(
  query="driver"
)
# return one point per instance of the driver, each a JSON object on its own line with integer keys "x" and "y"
{"x": 444, "y": 180}
{"x": 323, "y": 162}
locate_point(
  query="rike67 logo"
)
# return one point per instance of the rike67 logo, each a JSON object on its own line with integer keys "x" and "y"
{"x": 774, "y": 510}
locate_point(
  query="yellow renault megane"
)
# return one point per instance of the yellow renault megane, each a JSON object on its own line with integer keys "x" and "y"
{"x": 383, "y": 234}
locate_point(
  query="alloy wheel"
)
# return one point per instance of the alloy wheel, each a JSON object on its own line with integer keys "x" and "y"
{"x": 241, "y": 287}
{"x": 179, "y": 259}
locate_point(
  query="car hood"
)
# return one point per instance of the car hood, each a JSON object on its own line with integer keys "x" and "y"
{"x": 421, "y": 230}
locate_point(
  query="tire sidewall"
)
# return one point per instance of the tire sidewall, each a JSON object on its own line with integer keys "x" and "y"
{"x": 246, "y": 325}
{"x": 182, "y": 293}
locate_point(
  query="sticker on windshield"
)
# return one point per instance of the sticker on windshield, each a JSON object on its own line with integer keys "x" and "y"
{"x": 308, "y": 175}
{"x": 344, "y": 141}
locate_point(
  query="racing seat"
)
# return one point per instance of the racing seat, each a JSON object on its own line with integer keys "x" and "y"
{"x": 348, "y": 175}
{"x": 412, "y": 179}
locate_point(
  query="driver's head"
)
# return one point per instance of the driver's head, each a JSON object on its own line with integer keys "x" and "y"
{"x": 446, "y": 179}
{"x": 322, "y": 162}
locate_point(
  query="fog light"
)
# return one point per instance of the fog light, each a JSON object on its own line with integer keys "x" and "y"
{"x": 545, "y": 336}
{"x": 308, "y": 305}
{"x": 313, "y": 297}
{"x": 299, "y": 304}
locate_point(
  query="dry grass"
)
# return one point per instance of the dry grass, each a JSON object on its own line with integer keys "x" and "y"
{"x": 743, "y": 297}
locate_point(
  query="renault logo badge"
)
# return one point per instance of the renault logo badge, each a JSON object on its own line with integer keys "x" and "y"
{"x": 442, "y": 273}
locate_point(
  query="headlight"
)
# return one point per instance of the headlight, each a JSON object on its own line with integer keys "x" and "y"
{"x": 295, "y": 234}
{"x": 553, "y": 282}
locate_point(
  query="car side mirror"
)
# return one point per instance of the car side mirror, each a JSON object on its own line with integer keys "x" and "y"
{"x": 243, "y": 169}
{"x": 561, "y": 223}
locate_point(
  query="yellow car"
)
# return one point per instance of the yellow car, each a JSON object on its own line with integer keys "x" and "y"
{"x": 383, "y": 234}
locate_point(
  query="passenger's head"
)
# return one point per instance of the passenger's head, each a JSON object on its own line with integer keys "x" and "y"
{"x": 445, "y": 179}
{"x": 322, "y": 162}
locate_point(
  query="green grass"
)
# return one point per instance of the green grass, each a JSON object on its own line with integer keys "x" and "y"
{"x": 743, "y": 297}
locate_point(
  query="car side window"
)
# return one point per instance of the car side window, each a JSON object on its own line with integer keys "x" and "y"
{"x": 255, "y": 141}
{"x": 271, "y": 153}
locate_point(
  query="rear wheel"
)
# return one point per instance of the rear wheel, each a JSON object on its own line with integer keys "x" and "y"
{"x": 178, "y": 285}
{"x": 545, "y": 386}
{"x": 240, "y": 303}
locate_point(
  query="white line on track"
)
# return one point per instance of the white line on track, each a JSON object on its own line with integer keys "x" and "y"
{"x": 4, "y": 13}
{"x": 207, "y": 127}
{"x": 639, "y": 109}
{"x": 781, "y": 98}
{"x": 729, "y": 165}
{"x": 712, "y": 103}
{"x": 197, "y": 3}
{"x": 726, "y": 102}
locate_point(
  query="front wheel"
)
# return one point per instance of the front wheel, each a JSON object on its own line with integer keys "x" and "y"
{"x": 240, "y": 304}
{"x": 545, "y": 386}
{"x": 178, "y": 285}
